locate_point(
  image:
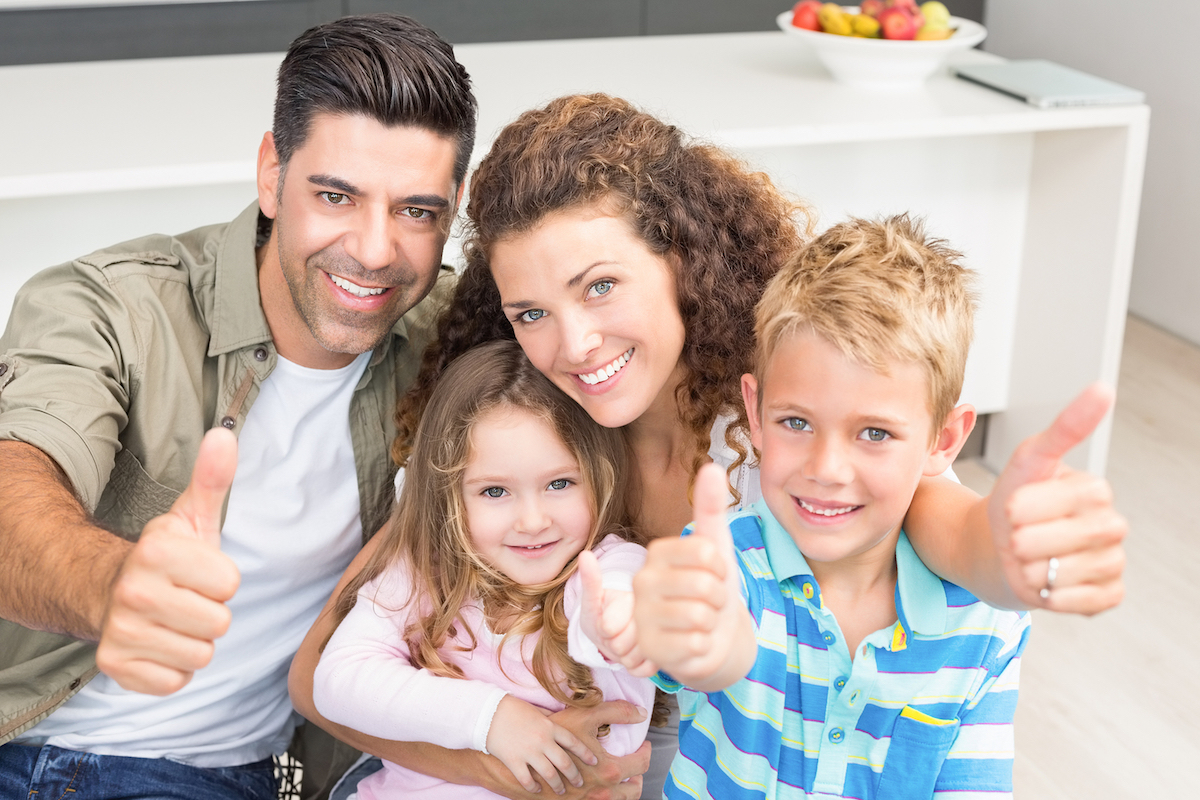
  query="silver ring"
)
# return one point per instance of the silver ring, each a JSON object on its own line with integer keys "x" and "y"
{"x": 1051, "y": 576}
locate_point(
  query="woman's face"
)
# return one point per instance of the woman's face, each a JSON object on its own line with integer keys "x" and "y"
{"x": 595, "y": 310}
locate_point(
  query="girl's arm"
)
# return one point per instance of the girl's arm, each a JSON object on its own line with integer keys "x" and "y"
{"x": 999, "y": 547}
{"x": 470, "y": 767}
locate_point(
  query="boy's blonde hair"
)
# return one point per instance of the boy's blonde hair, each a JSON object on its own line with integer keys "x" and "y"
{"x": 878, "y": 291}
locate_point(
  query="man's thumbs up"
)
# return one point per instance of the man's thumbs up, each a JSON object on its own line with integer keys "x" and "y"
{"x": 167, "y": 605}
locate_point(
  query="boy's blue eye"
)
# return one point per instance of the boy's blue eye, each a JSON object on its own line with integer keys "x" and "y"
{"x": 560, "y": 484}
{"x": 875, "y": 435}
{"x": 796, "y": 424}
{"x": 494, "y": 491}
{"x": 532, "y": 315}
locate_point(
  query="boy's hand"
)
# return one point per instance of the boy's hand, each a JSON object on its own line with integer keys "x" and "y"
{"x": 607, "y": 619}
{"x": 690, "y": 616}
{"x": 1040, "y": 509}
{"x": 522, "y": 736}
{"x": 167, "y": 605}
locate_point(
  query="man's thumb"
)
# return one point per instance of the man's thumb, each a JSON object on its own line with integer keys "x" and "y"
{"x": 201, "y": 503}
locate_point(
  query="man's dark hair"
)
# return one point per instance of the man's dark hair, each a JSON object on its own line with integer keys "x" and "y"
{"x": 384, "y": 66}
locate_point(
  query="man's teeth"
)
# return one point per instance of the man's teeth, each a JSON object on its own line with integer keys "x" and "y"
{"x": 826, "y": 512}
{"x": 354, "y": 288}
{"x": 604, "y": 373}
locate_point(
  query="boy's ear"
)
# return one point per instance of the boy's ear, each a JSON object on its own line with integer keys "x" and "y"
{"x": 268, "y": 176}
{"x": 950, "y": 439}
{"x": 750, "y": 399}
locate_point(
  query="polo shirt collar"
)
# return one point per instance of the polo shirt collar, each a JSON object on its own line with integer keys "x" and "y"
{"x": 236, "y": 318}
{"x": 920, "y": 597}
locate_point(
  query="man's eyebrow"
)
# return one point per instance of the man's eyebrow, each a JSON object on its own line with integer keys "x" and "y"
{"x": 329, "y": 181}
{"x": 435, "y": 200}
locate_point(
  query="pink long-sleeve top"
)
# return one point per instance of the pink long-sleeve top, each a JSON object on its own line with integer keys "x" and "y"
{"x": 366, "y": 682}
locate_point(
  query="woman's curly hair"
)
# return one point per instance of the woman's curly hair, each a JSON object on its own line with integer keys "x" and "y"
{"x": 725, "y": 229}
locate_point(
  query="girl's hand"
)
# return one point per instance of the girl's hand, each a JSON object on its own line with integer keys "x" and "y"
{"x": 606, "y": 616}
{"x": 523, "y": 737}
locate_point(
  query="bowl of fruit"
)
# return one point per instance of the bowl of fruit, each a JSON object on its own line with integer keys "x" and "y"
{"x": 887, "y": 44}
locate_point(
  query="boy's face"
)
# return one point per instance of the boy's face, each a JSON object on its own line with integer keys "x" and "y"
{"x": 843, "y": 447}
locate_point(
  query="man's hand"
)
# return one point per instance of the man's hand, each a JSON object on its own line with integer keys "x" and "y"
{"x": 606, "y": 616}
{"x": 167, "y": 603}
{"x": 1040, "y": 509}
{"x": 691, "y": 619}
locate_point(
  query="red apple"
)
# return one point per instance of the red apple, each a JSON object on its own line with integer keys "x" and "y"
{"x": 804, "y": 15}
{"x": 897, "y": 23}
{"x": 871, "y": 7}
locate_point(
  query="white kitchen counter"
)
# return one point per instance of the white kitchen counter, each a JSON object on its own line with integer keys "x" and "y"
{"x": 1043, "y": 202}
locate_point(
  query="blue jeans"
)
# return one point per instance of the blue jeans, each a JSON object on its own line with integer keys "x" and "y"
{"x": 51, "y": 772}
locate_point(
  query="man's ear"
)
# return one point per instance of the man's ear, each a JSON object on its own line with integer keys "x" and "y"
{"x": 950, "y": 439}
{"x": 750, "y": 399}
{"x": 268, "y": 176}
{"x": 458, "y": 198}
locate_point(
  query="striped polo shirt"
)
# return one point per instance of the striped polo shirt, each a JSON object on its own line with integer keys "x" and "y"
{"x": 925, "y": 709}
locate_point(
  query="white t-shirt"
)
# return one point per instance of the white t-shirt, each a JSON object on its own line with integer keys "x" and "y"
{"x": 292, "y": 527}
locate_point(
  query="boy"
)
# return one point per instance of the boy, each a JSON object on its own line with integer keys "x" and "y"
{"x": 857, "y": 672}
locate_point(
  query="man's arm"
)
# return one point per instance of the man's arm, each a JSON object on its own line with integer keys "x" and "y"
{"x": 690, "y": 616}
{"x": 602, "y": 781}
{"x": 154, "y": 606}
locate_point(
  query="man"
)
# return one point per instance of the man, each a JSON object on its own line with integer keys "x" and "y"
{"x": 147, "y": 630}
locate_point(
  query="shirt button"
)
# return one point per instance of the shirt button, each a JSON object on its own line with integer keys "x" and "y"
{"x": 260, "y": 354}
{"x": 836, "y": 735}
{"x": 854, "y": 698}
{"x": 228, "y": 422}
{"x": 829, "y": 637}
{"x": 840, "y": 683}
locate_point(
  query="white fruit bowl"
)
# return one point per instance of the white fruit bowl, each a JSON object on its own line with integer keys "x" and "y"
{"x": 884, "y": 63}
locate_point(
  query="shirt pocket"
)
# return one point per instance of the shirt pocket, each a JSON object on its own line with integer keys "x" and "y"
{"x": 918, "y": 747}
{"x": 132, "y": 497}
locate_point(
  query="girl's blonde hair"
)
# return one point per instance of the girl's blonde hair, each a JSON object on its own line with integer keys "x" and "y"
{"x": 427, "y": 531}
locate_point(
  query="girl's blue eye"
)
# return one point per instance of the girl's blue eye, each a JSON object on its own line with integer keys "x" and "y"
{"x": 796, "y": 424}
{"x": 494, "y": 491}
{"x": 875, "y": 435}
{"x": 559, "y": 484}
{"x": 532, "y": 315}
{"x": 602, "y": 287}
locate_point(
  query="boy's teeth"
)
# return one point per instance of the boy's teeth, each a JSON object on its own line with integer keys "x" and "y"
{"x": 826, "y": 512}
{"x": 354, "y": 288}
{"x": 606, "y": 372}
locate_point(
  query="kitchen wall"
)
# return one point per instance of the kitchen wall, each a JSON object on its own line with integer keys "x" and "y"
{"x": 1150, "y": 47}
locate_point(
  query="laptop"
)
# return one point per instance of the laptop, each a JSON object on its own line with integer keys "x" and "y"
{"x": 1046, "y": 84}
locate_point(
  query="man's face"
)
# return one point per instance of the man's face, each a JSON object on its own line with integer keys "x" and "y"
{"x": 361, "y": 215}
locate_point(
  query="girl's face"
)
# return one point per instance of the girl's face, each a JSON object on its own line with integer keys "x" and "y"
{"x": 595, "y": 310}
{"x": 528, "y": 511}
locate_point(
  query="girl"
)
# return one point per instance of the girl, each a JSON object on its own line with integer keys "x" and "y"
{"x": 471, "y": 602}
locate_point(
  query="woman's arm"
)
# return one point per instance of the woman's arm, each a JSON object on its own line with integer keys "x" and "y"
{"x": 999, "y": 547}
{"x": 470, "y": 767}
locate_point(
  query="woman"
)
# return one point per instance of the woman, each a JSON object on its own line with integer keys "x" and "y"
{"x": 627, "y": 261}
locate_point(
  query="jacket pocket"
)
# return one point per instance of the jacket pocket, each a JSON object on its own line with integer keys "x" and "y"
{"x": 132, "y": 497}
{"x": 918, "y": 748}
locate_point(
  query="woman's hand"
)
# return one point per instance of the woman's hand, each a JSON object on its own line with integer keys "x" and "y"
{"x": 524, "y": 737}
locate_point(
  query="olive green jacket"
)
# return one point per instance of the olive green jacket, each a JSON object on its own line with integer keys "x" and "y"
{"x": 116, "y": 364}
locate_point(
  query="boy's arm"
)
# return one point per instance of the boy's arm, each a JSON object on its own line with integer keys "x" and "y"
{"x": 999, "y": 547}
{"x": 690, "y": 616}
{"x": 606, "y": 780}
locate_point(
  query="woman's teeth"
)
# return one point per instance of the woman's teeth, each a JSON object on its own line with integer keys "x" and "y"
{"x": 604, "y": 373}
{"x": 826, "y": 512}
{"x": 354, "y": 288}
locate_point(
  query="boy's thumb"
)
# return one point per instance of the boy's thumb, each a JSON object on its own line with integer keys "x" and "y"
{"x": 201, "y": 503}
{"x": 710, "y": 505}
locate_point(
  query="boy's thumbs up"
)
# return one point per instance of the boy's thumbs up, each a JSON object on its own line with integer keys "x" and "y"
{"x": 201, "y": 503}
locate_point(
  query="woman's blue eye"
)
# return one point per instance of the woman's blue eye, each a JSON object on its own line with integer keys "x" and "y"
{"x": 559, "y": 484}
{"x": 532, "y": 315}
{"x": 494, "y": 491}
{"x": 796, "y": 424}
{"x": 602, "y": 287}
{"x": 875, "y": 435}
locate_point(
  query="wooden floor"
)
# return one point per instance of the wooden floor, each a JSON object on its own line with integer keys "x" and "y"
{"x": 1110, "y": 706}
